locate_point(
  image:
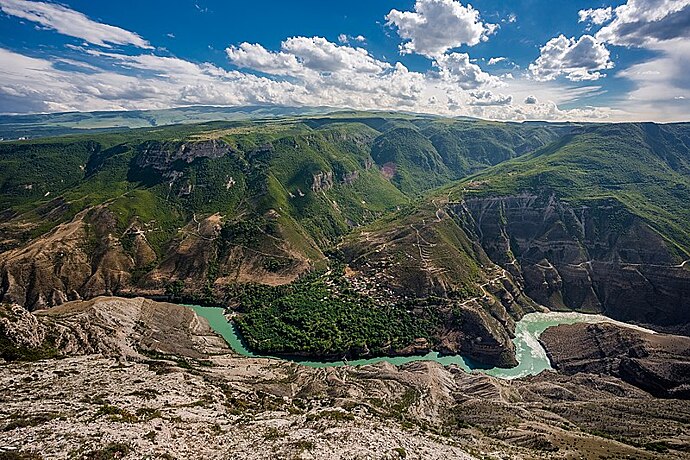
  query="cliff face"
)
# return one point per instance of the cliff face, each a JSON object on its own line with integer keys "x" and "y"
{"x": 110, "y": 326}
{"x": 72, "y": 262}
{"x": 595, "y": 257}
{"x": 322, "y": 181}
{"x": 89, "y": 257}
{"x": 161, "y": 155}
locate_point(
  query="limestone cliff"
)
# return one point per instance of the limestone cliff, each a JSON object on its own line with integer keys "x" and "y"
{"x": 160, "y": 156}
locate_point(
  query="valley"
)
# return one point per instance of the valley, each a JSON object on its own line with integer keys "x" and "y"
{"x": 380, "y": 241}
{"x": 283, "y": 218}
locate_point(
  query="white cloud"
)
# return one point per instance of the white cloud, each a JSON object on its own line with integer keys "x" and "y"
{"x": 319, "y": 54}
{"x": 662, "y": 87}
{"x": 578, "y": 60}
{"x": 256, "y": 57}
{"x": 645, "y": 22}
{"x": 456, "y": 68}
{"x": 547, "y": 111}
{"x": 301, "y": 55}
{"x": 71, "y": 23}
{"x": 496, "y": 60}
{"x": 596, "y": 16}
{"x": 149, "y": 81}
{"x": 435, "y": 26}
{"x": 345, "y": 39}
{"x": 305, "y": 71}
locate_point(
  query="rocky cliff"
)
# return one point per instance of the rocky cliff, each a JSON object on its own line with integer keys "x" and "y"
{"x": 75, "y": 260}
{"x": 593, "y": 257}
{"x": 160, "y": 156}
{"x": 110, "y": 326}
{"x": 89, "y": 256}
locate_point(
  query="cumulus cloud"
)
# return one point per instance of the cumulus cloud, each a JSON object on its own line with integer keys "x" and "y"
{"x": 256, "y": 57}
{"x": 487, "y": 98}
{"x": 596, "y": 16}
{"x": 578, "y": 60}
{"x": 319, "y": 54}
{"x": 646, "y": 22}
{"x": 456, "y": 68}
{"x": 547, "y": 111}
{"x": 303, "y": 71}
{"x": 530, "y": 100}
{"x": 300, "y": 55}
{"x": 345, "y": 39}
{"x": 146, "y": 81}
{"x": 435, "y": 26}
{"x": 71, "y": 23}
{"x": 156, "y": 82}
{"x": 662, "y": 27}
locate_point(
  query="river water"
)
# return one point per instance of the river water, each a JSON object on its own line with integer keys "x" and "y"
{"x": 529, "y": 353}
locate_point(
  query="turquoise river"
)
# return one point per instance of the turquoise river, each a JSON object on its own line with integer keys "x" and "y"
{"x": 530, "y": 354}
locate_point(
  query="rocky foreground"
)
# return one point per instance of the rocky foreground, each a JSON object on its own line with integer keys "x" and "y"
{"x": 132, "y": 378}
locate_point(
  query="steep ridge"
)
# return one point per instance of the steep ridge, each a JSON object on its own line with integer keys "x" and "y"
{"x": 596, "y": 257}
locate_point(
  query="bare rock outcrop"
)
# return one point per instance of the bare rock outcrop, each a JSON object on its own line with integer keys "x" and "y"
{"x": 657, "y": 363}
{"x": 322, "y": 181}
{"x": 161, "y": 155}
{"x": 184, "y": 394}
{"x": 111, "y": 326}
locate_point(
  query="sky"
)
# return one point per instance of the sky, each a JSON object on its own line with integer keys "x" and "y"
{"x": 502, "y": 60}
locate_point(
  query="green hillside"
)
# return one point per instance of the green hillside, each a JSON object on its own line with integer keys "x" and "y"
{"x": 645, "y": 167}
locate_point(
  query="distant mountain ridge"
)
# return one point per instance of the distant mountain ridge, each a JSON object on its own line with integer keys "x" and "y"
{"x": 13, "y": 127}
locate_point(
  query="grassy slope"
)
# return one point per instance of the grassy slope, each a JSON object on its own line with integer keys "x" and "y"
{"x": 645, "y": 167}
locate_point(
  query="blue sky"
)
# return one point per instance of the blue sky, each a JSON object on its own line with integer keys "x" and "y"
{"x": 534, "y": 59}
